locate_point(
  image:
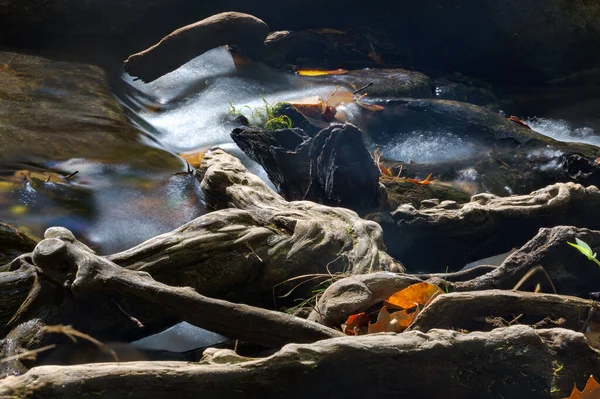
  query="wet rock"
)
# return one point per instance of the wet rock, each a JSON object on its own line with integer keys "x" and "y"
{"x": 492, "y": 152}
{"x": 458, "y": 87}
{"x": 14, "y": 243}
{"x": 332, "y": 49}
{"x": 343, "y": 172}
{"x": 283, "y": 154}
{"x": 431, "y": 239}
{"x": 333, "y": 168}
{"x": 53, "y": 111}
{"x": 188, "y": 42}
{"x": 383, "y": 82}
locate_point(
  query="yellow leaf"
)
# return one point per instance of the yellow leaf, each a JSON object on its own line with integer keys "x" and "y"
{"x": 415, "y": 295}
{"x": 18, "y": 210}
{"x": 320, "y": 72}
{"x": 395, "y": 322}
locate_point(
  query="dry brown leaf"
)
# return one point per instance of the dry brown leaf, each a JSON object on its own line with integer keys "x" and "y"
{"x": 370, "y": 107}
{"x": 415, "y": 295}
{"x": 591, "y": 390}
{"x": 519, "y": 121}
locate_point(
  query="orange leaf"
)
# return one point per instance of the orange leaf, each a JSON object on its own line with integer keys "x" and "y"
{"x": 355, "y": 321}
{"x": 425, "y": 182}
{"x": 591, "y": 390}
{"x": 320, "y": 72}
{"x": 395, "y": 322}
{"x": 415, "y": 295}
{"x": 383, "y": 319}
{"x": 519, "y": 121}
{"x": 194, "y": 157}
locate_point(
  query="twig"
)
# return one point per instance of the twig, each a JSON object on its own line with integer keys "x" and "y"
{"x": 531, "y": 273}
{"x": 71, "y": 333}
{"x": 363, "y": 88}
{"x": 28, "y": 354}
{"x": 71, "y": 175}
{"x": 133, "y": 319}
{"x": 250, "y": 248}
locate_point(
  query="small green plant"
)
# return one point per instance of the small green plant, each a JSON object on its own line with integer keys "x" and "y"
{"x": 263, "y": 116}
{"x": 585, "y": 249}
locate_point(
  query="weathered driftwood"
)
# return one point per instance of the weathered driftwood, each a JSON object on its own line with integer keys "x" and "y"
{"x": 356, "y": 294}
{"x": 450, "y": 234}
{"x": 458, "y": 310}
{"x": 242, "y": 253}
{"x": 14, "y": 243}
{"x": 188, "y": 42}
{"x": 508, "y": 362}
{"x": 570, "y": 272}
{"x": 86, "y": 275}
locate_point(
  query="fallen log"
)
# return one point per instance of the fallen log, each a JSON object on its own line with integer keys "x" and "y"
{"x": 486, "y": 226}
{"x": 458, "y": 310}
{"x": 508, "y": 362}
{"x": 188, "y": 42}
{"x": 61, "y": 261}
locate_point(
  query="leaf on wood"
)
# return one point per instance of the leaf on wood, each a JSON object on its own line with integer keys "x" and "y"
{"x": 425, "y": 182}
{"x": 414, "y": 295}
{"x": 395, "y": 322}
{"x": 519, "y": 121}
{"x": 355, "y": 322}
{"x": 591, "y": 390}
{"x": 321, "y": 72}
{"x": 194, "y": 157}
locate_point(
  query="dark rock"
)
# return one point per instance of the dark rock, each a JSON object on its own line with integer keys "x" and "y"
{"x": 331, "y": 49}
{"x": 497, "y": 155}
{"x": 283, "y": 154}
{"x": 342, "y": 170}
{"x": 384, "y": 82}
{"x": 297, "y": 118}
{"x": 458, "y": 87}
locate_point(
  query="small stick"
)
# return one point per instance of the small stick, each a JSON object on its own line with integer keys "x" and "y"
{"x": 71, "y": 175}
{"x": 363, "y": 88}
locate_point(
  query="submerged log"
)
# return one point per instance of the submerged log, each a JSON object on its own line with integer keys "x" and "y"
{"x": 508, "y": 362}
{"x": 486, "y": 226}
{"x": 188, "y": 42}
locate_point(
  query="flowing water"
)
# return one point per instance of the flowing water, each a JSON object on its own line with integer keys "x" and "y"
{"x": 115, "y": 205}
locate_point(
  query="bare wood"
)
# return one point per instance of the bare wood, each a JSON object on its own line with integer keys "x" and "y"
{"x": 509, "y": 362}
{"x": 458, "y": 309}
{"x": 95, "y": 274}
{"x": 190, "y": 41}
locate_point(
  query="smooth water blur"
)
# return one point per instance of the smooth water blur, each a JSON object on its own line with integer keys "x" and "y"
{"x": 562, "y": 130}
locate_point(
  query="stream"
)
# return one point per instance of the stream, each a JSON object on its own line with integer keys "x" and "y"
{"x": 114, "y": 206}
